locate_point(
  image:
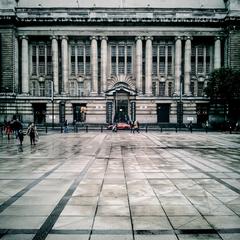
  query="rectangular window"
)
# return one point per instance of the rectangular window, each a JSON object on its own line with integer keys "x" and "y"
{"x": 208, "y": 60}
{"x": 192, "y": 88}
{"x": 80, "y": 89}
{"x": 154, "y": 88}
{"x": 162, "y": 61}
{"x": 200, "y": 89}
{"x": 162, "y": 89}
{"x": 129, "y": 59}
{"x": 169, "y": 60}
{"x": 34, "y": 89}
{"x": 170, "y": 89}
{"x": 200, "y": 59}
{"x": 42, "y": 89}
{"x": 121, "y": 59}
{"x": 154, "y": 61}
{"x": 193, "y": 60}
{"x": 72, "y": 89}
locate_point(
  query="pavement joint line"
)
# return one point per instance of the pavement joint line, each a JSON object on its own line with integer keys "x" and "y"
{"x": 130, "y": 211}
{"x": 124, "y": 232}
{"x": 137, "y": 231}
{"x": 19, "y": 194}
{"x": 210, "y": 175}
{"x": 54, "y": 215}
{"x": 236, "y": 190}
{"x": 98, "y": 200}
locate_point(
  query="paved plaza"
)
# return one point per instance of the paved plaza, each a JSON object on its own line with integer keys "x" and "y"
{"x": 121, "y": 186}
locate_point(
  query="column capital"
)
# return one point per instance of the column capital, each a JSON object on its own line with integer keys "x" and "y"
{"x": 188, "y": 38}
{"x": 64, "y": 37}
{"x": 103, "y": 38}
{"x": 149, "y": 38}
{"x": 54, "y": 37}
{"x": 217, "y": 38}
{"x": 94, "y": 38}
{"x": 23, "y": 37}
{"x": 178, "y": 38}
{"x": 139, "y": 38}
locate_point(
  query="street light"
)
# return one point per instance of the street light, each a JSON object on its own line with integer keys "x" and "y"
{"x": 52, "y": 100}
{"x": 179, "y": 105}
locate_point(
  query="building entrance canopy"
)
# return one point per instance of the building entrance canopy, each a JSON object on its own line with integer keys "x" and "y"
{"x": 121, "y": 87}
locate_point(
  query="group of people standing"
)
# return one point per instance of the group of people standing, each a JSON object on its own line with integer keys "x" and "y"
{"x": 15, "y": 127}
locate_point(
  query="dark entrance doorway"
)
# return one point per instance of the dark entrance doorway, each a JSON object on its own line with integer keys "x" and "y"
{"x": 79, "y": 112}
{"x": 202, "y": 113}
{"x": 163, "y": 113}
{"x": 121, "y": 111}
{"x": 39, "y": 113}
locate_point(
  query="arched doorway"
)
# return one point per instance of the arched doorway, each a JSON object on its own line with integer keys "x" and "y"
{"x": 123, "y": 98}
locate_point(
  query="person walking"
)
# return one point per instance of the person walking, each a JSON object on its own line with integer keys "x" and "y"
{"x": 65, "y": 126}
{"x": 20, "y": 136}
{"x": 190, "y": 126}
{"x": 32, "y": 132}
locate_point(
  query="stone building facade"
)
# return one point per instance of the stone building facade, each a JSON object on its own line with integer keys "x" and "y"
{"x": 101, "y": 62}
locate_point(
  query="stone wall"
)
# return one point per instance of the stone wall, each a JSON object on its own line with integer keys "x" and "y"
{"x": 7, "y": 77}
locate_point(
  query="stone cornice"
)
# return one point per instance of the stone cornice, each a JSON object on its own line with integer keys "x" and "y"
{"x": 118, "y": 16}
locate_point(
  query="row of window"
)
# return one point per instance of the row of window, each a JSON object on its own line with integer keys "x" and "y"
{"x": 77, "y": 88}
{"x": 122, "y": 56}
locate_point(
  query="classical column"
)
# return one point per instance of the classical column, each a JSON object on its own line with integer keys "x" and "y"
{"x": 178, "y": 59}
{"x": 25, "y": 69}
{"x": 55, "y": 64}
{"x": 16, "y": 72}
{"x": 139, "y": 64}
{"x": 187, "y": 65}
{"x": 148, "y": 62}
{"x": 94, "y": 65}
{"x": 64, "y": 47}
{"x": 217, "y": 53}
{"x": 103, "y": 64}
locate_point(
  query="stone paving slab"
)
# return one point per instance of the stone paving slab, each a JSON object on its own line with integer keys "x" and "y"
{"x": 121, "y": 186}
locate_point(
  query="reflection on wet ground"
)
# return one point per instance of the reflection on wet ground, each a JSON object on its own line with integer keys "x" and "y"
{"x": 121, "y": 186}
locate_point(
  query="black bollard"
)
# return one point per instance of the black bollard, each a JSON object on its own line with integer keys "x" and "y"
{"x": 76, "y": 129}
{"x": 87, "y": 128}
{"x": 176, "y": 129}
{"x": 61, "y": 129}
{"x": 146, "y": 129}
{"x": 101, "y": 128}
{"x": 46, "y": 129}
{"x": 161, "y": 129}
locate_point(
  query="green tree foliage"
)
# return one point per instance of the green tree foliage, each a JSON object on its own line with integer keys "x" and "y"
{"x": 224, "y": 86}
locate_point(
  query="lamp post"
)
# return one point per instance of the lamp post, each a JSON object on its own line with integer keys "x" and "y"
{"x": 52, "y": 100}
{"x": 180, "y": 106}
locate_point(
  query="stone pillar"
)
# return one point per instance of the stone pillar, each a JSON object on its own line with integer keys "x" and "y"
{"x": 139, "y": 64}
{"x": 148, "y": 62}
{"x": 94, "y": 66}
{"x": 217, "y": 53}
{"x": 16, "y": 72}
{"x": 55, "y": 64}
{"x": 178, "y": 64}
{"x": 187, "y": 65}
{"x": 103, "y": 64}
{"x": 25, "y": 68}
{"x": 64, "y": 47}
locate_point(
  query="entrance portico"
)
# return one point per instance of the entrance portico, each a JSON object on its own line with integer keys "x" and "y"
{"x": 122, "y": 97}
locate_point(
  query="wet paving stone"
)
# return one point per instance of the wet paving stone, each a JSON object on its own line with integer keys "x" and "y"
{"x": 121, "y": 186}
